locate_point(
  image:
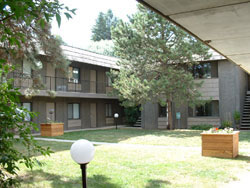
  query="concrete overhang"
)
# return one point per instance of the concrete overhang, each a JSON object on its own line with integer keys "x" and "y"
{"x": 224, "y": 25}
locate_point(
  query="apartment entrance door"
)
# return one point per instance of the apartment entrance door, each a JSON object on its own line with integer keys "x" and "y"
{"x": 93, "y": 115}
{"x": 92, "y": 81}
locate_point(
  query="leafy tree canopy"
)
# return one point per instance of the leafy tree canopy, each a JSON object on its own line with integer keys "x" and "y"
{"x": 24, "y": 34}
{"x": 102, "y": 28}
{"x": 105, "y": 47}
{"x": 155, "y": 56}
{"x": 25, "y": 31}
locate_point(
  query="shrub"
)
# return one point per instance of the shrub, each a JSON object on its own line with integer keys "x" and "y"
{"x": 13, "y": 130}
{"x": 226, "y": 124}
{"x": 237, "y": 116}
{"x": 131, "y": 115}
{"x": 202, "y": 127}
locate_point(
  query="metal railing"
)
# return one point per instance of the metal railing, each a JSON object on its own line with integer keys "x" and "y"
{"x": 24, "y": 81}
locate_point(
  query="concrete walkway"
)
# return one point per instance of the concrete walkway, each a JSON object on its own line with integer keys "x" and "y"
{"x": 130, "y": 145}
{"x": 119, "y": 144}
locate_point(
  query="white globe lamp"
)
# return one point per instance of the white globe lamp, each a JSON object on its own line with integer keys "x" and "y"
{"x": 116, "y": 115}
{"x": 82, "y": 152}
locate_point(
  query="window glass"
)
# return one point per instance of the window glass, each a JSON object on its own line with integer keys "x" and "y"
{"x": 27, "y": 106}
{"x": 70, "y": 111}
{"x": 202, "y": 70}
{"x": 74, "y": 74}
{"x": 162, "y": 111}
{"x": 209, "y": 109}
{"x": 26, "y": 68}
{"x": 109, "y": 110}
{"x": 76, "y": 111}
{"x": 108, "y": 81}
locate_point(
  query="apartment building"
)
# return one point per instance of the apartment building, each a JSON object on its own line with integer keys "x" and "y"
{"x": 81, "y": 99}
{"x": 225, "y": 86}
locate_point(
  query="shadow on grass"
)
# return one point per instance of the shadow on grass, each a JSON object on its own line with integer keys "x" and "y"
{"x": 156, "y": 183}
{"x": 244, "y": 136}
{"x": 58, "y": 181}
{"x": 245, "y": 158}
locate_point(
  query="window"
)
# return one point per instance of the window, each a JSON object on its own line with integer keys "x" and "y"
{"x": 26, "y": 68}
{"x": 109, "y": 110}
{"x": 202, "y": 70}
{"x": 162, "y": 111}
{"x": 74, "y": 75}
{"x": 74, "y": 111}
{"x": 209, "y": 109}
{"x": 27, "y": 106}
{"x": 108, "y": 81}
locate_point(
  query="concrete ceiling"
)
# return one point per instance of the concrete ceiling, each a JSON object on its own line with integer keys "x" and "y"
{"x": 224, "y": 25}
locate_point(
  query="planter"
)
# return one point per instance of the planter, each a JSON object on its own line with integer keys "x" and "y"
{"x": 52, "y": 129}
{"x": 220, "y": 145}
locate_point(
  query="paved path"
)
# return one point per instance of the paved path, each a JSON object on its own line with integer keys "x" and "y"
{"x": 119, "y": 144}
{"x": 129, "y": 145}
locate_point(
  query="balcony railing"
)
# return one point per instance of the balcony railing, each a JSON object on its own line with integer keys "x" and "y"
{"x": 24, "y": 81}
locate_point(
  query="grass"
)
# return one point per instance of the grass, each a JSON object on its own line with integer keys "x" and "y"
{"x": 148, "y": 137}
{"x": 119, "y": 166}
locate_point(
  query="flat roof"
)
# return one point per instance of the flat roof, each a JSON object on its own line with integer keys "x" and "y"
{"x": 223, "y": 25}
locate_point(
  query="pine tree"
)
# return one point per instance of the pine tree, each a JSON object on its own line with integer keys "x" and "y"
{"x": 154, "y": 59}
{"x": 102, "y": 28}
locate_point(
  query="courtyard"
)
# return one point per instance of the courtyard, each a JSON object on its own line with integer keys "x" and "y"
{"x": 138, "y": 158}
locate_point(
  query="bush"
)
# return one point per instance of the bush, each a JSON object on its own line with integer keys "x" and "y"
{"x": 226, "y": 124}
{"x": 131, "y": 115}
{"x": 14, "y": 130}
{"x": 202, "y": 127}
{"x": 237, "y": 116}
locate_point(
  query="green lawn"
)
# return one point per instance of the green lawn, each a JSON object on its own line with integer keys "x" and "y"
{"x": 149, "y": 137}
{"x": 142, "y": 167}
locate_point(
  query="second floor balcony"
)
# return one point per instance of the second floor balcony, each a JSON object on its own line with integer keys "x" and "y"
{"x": 60, "y": 84}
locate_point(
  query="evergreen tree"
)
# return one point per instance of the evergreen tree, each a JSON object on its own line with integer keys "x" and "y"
{"x": 154, "y": 58}
{"x": 102, "y": 28}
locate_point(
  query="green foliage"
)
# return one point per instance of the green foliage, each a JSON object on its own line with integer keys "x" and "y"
{"x": 25, "y": 31}
{"x": 102, "y": 28}
{"x": 154, "y": 56}
{"x": 14, "y": 129}
{"x": 237, "y": 116}
{"x": 226, "y": 124}
{"x": 202, "y": 127}
{"x": 105, "y": 47}
{"x": 131, "y": 115}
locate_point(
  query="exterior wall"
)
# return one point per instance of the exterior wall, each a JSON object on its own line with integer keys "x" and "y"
{"x": 61, "y": 113}
{"x": 184, "y": 115}
{"x": 203, "y": 120}
{"x": 233, "y": 82}
{"x": 209, "y": 89}
{"x": 149, "y": 116}
{"x": 228, "y": 85}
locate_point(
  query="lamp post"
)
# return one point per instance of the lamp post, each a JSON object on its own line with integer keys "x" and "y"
{"x": 116, "y": 115}
{"x": 82, "y": 152}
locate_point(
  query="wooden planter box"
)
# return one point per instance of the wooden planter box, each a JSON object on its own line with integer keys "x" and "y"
{"x": 220, "y": 145}
{"x": 52, "y": 129}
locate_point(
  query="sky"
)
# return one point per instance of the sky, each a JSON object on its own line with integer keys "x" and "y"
{"x": 77, "y": 31}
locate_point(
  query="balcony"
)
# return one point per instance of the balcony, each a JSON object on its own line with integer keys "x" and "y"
{"x": 64, "y": 87}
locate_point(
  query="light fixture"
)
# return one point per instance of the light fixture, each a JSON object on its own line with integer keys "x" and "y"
{"x": 116, "y": 115}
{"x": 82, "y": 152}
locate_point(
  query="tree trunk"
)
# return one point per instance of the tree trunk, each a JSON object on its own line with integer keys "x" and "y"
{"x": 170, "y": 119}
